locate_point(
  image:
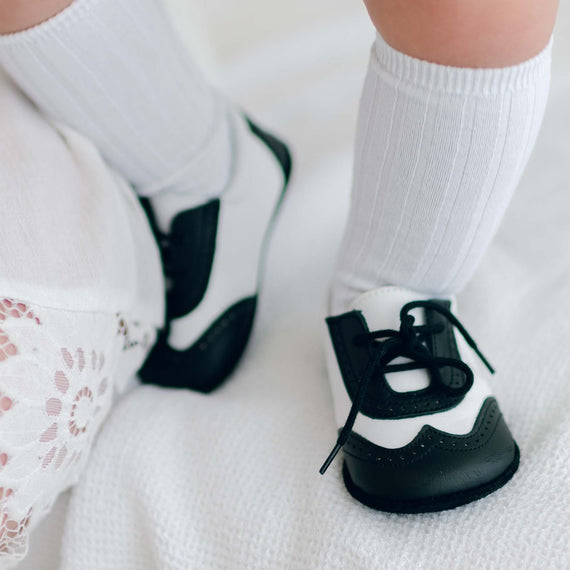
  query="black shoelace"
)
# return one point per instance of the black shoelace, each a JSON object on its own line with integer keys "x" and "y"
{"x": 409, "y": 342}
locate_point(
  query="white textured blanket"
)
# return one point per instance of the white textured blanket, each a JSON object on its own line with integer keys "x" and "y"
{"x": 178, "y": 480}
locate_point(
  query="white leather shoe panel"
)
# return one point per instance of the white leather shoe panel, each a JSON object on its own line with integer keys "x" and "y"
{"x": 396, "y": 433}
{"x": 167, "y": 204}
{"x": 382, "y": 309}
{"x": 381, "y": 306}
{"x": 246, "y": 209}
{"x": 411, "y": 381}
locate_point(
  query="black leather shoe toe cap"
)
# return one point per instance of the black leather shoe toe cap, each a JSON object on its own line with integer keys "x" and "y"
{"x": 209, "y": 361}
{"x": 437, "y": 470}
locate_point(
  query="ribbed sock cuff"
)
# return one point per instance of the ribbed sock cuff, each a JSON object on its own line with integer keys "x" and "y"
{"x": 486, "y": 82}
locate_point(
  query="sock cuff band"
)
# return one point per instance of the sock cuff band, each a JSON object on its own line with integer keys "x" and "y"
{"x": 486, "y": 82}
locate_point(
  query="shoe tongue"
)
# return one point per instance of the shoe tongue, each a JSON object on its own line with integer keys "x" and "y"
{"x": 381, "y": 307}
{"x": 381, "y": 310}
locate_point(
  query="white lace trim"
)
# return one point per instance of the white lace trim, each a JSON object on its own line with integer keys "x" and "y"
{"x": 59, "y": 371}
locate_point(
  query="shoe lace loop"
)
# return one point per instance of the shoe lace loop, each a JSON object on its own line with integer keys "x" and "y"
{"x": 408, "y": 342}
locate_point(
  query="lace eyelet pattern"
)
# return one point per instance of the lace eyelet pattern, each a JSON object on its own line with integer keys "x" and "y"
{"x": 59, "y": 371}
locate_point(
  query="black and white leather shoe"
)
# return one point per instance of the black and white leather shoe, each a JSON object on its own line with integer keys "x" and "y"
{"x": 420, "y": 429}
{"x": 213, "y": 257}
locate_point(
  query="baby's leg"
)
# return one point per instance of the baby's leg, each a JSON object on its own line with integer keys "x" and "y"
{"x": 116, "y": 72}
{"x": 467, "y": 33}
{"x": 451, "y": 107}
{"x": 441, "y": 145}
{"x": 78, "y": 308}
{"x": 18, "y": 15}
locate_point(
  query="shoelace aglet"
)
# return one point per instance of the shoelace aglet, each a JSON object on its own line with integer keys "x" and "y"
{"x": 483, "y": 359}
{"x": 474, "y": 346}
{"x": 337, "y": 447}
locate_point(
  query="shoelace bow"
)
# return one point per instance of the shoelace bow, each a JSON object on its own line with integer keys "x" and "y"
{"x": 408, "y": 342}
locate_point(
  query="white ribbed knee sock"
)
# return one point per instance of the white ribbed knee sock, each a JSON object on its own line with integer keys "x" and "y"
{"x": 115, "y": 71}
{"x": 439, "y": 151}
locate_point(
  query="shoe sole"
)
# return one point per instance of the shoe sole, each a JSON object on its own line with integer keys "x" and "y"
{"x": 431, "y": 504}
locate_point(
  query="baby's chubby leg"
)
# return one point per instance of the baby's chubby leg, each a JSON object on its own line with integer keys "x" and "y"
{"x": 466, "y": 33}
{"x": 78, "y": 308}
